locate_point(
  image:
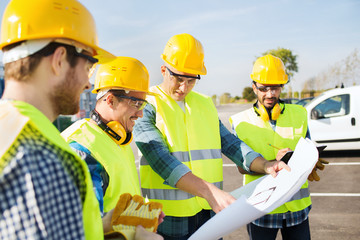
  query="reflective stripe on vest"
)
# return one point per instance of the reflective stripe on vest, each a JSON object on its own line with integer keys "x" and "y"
{"x": 193, "y": 138}
{"x": 172, "y": 194}
{"x": 195, "y": 155}
{"x": 27, "y": 114}
{"x": 118, "y": 161}
{"x": 290, "y": 127}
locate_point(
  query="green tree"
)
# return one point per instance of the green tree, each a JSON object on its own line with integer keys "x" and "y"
{"x": 225, "y": 98}
{"x": 288, "y": 58}
{"x": 248, "y": 94}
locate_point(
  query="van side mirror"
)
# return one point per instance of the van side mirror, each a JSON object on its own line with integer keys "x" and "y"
{"x": 314, "y": 114}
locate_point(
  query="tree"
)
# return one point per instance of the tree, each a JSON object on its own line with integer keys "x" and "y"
{"x": 288, "y": 59}
{"x": 225, "y": 98}
{"x": 215, "y": 99}
{"x": 345, "y": 72}
{"x": 248, "y": 94}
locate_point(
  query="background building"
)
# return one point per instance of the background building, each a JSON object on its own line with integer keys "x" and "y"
{"x": 87, "y": 103}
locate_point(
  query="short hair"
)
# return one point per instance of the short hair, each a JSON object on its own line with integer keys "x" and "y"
{"x": 22, "y": 69}
{"x": 115, "y": 92}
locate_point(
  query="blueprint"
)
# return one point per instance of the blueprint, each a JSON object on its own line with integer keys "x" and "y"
{"x": 262, "y": 195}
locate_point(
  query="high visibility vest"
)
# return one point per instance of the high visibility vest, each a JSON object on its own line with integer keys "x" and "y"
{"x": 118, "y": 161}
{"x": 16, "y": 115}
{"x": 257, "y": 134}
{"x": 193, "y": 138}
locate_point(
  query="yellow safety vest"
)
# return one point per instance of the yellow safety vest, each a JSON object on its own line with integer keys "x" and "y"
{"x": 193, "y": 138}
{"x": 16, "y": 115}
{"x": 290, "y": 127}
{"x": 118, "y": 161}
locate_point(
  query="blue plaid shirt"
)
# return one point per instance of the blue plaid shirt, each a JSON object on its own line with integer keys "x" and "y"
{"x": 99, "y": 176}
{"x": 41, "y": 190}
{"x": 152, "y": 144}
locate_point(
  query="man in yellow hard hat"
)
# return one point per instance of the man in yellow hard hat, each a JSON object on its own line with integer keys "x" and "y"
{"x": 103, "y": 141}
{"x": 49, "y": 48}
{"x": 268, "y": 126}
{"x": 181, "y": 139}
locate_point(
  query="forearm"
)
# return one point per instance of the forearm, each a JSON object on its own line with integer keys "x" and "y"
{"x": 194, "y": 185}
{"x": 217, "y": 198}
{"x": 258, "y": 165}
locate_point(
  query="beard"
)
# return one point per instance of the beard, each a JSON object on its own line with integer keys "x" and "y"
{"x": 65, "y": 100}
{"x": 269, "y": 105}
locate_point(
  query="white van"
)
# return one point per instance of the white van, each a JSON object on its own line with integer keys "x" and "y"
{"x": 334, "y": 118}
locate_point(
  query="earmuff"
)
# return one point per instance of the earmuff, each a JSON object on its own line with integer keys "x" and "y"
{"x": 274, "y": 113}
{"x": 114, "y": 129}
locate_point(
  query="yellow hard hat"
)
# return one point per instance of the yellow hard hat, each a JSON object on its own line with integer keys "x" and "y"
{"x": 50, "y": 19}
{"x": 122, "y": 73}
{"x": 185, "y": 53}
{"x": 269, "y": 70}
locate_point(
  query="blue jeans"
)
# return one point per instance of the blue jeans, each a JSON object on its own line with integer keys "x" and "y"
{"x": 297, "y": 232}
{"x": 193, "y": 224}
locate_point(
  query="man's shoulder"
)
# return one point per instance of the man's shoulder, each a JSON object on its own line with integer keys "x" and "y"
{"x": 12, "y": 123}
{"x": 198, "y": 94}
{"x": 30, "y": 146}
{"x": 243, "y": 116}
{"x": 245, "y": 112}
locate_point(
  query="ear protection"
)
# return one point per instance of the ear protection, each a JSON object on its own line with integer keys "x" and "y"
{"x": 274, "y": 113}
{"x": 114, "y": 129}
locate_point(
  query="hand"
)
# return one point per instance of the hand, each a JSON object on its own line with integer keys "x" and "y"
{"x": 272, "y": 167}
{"x": 219, "y": 199}
{"x": 106, "y": 220}
{"x": 319, "y": 165}
{"x": 281, "y": 153}
{"x": 161, "y": 217}
{"x": 142, "y": 234}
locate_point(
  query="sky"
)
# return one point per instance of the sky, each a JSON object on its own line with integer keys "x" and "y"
{"x": 233, "y": 33}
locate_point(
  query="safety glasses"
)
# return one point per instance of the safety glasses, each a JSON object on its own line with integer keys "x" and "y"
{"x": 134, "y": 102}
{"x": 180, "y": 79}
{"x": 265, "y": 89}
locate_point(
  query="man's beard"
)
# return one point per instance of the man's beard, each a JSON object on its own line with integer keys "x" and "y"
{"x": 64, "y": 99}
{"x": 269, "y": 107}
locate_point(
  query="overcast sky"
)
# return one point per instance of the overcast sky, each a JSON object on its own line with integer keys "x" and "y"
{"x": 233, "y": 33}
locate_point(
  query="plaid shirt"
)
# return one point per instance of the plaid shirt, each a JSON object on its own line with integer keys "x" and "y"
{"x": 38, "y": 197}
{"x": 276, "y": 220}
{"x": 152, "y": 144}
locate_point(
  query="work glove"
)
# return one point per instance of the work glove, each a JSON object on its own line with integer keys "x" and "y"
{"x": 319, "y": 165}
{"x": 131, "y": 211}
